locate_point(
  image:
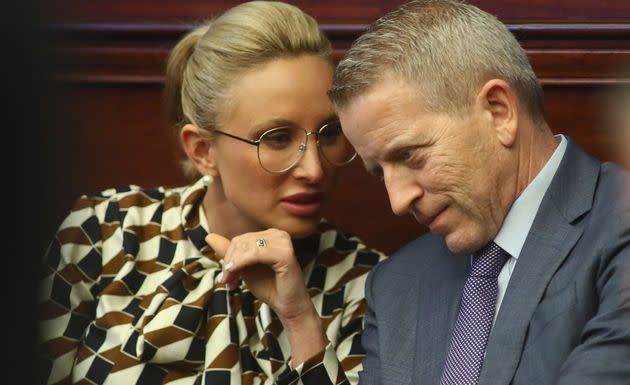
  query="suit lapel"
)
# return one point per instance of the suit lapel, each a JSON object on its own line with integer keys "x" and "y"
{"x": 553, "y": 235}
{"x": 440, "y": 291}
{"x": 540, "y": 258}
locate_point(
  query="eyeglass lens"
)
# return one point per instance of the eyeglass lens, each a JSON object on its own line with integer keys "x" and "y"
{"x": 282, "y": 147}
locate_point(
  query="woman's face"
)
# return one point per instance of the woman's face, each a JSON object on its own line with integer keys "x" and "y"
{"x": 286, "y": 92}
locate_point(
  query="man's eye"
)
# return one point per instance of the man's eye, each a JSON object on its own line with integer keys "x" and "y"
{"x": 407, "y": 154}
{"x": 412, "y": 158}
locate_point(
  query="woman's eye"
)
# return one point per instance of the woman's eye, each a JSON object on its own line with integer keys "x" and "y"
{"x": 277, "y": 138}
{"x": 330, "y": 133}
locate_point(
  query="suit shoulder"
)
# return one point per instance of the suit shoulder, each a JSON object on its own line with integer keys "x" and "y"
{"x": 610, "y": 198}
{"x": 414, "y": 256}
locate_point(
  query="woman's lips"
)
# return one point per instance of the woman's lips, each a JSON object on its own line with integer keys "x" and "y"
{"x": 303, "y": 204}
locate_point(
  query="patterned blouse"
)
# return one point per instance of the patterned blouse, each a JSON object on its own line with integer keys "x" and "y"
{"x": 130, "y": 295}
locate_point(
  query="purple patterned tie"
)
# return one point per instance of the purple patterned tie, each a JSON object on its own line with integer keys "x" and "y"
{"x": 474, "y": 321}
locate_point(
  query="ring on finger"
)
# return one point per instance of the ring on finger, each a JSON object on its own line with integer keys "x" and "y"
{"x": 260, "y": 242}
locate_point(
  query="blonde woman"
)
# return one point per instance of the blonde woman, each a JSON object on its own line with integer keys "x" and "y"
{"x": 235, "y": 278}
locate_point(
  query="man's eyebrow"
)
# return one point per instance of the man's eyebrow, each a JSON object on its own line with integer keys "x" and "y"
{"x": 391, "y": 149}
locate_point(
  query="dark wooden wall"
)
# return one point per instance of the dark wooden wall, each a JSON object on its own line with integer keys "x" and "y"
{"x": 107, "y": 60}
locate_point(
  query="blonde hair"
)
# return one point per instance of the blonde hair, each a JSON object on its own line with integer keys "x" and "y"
{"x": 205, "y": 62}
{"x": 446, "y": 49}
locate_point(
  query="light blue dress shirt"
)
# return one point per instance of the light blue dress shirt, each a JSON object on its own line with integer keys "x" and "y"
{"x": 518, "y": 221}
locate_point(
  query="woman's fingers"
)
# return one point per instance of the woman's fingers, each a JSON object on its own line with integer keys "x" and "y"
{"x": 266, "y": 261}
{"x": 261, "y": 248}
{"x": 218, "y": 243}
{"x": 272, "y": 248}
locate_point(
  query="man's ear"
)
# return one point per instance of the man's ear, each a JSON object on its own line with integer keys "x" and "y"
{"x": 499, "y": 100}
{"x": 199, "y": 149}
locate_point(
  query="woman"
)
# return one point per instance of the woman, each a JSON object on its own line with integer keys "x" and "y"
{"x": 234, "y": 279}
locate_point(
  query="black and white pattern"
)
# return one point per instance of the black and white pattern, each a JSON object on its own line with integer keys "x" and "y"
{"x": 130, "y": 295}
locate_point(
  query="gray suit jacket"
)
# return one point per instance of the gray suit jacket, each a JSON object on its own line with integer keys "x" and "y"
{"x": 565, "y": 317}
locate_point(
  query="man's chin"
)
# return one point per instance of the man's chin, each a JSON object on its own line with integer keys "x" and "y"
{"x": 461, "y": 246}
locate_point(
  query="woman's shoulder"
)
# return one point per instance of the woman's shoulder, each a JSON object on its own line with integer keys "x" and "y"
{"x": 112, "y": 204}
{"x": 135, "y": 194}
{"x": 132, "y": 195}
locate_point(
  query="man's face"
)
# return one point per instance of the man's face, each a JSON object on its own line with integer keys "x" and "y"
{"x": 443, "y": 169}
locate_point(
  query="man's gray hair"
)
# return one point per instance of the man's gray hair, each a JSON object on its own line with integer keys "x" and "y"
{"x": 446, "y": 49}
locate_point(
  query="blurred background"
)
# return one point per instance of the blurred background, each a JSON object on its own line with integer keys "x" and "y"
{"x": 29, "y": 176}
{"x": 108, "y": 59}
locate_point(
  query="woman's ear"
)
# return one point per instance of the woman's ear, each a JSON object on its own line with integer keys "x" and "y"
{"x": 498, "y": 98}
{"x": 199, "y": 149}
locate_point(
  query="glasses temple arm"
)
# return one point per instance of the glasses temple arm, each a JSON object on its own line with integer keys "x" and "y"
{"x": 252, "y": 142}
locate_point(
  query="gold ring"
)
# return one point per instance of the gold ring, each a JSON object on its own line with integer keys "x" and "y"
{"x": 261, "y": 242}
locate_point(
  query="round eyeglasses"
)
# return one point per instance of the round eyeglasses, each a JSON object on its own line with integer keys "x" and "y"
{"x": 281, "y": 148}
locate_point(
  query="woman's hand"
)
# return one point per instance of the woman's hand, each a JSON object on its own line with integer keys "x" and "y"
{"x": 267, "y": 262}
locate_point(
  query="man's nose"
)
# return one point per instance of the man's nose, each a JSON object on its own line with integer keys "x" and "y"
{"x": 402, "y": 189}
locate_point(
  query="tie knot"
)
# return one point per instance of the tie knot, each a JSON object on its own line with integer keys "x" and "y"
{"x": 489, "y": 261}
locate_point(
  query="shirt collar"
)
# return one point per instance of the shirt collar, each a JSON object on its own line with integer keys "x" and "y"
{"x": 520, "y": 217}
{"x": 193, "y": 217}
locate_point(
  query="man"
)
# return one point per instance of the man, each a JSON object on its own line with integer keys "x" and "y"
{"x": 525, "y": 275}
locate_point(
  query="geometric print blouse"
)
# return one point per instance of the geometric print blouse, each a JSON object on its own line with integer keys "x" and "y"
{"x": 130, "y": 294}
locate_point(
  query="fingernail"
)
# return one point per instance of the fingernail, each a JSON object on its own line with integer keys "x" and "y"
{"x": 228, "y": 266}
{"x": 220, "y": 277}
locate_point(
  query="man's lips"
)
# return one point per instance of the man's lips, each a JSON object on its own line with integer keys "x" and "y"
{"x": 427, "y": 220}
{"x": 303, "y": 203}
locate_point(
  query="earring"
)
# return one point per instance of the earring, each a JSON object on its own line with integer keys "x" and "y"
{"x": 207, "y": 180}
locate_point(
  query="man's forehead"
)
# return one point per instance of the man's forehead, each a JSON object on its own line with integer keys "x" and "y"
{"x": 384, "y": 104}
{"x": 389, "y": 89}
{"x": 375, "y": 125}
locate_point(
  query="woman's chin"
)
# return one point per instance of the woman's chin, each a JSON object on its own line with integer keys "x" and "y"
{"x": 301, "y": 227}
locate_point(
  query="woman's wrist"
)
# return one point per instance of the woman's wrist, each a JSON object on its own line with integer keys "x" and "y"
{"x": 306, "y": 335}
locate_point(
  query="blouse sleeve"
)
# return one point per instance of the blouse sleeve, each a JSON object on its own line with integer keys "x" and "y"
{"x": 71, "y": 270}
{"x": 340, "y": 361}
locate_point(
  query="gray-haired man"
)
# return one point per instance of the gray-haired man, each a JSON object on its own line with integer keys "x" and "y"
{"x": 525, "y": 277}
